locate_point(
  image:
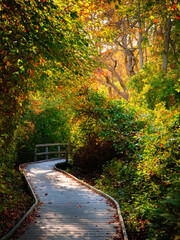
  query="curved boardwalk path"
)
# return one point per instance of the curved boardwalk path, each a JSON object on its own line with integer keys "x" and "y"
{"x": 69, "y": 210}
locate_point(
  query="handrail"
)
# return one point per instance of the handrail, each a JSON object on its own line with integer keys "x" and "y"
{"x": 47, "y": 152}
{"x": 51, "y": 144}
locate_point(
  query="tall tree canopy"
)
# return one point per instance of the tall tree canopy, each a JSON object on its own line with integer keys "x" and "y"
{"x": 31, "y": 33}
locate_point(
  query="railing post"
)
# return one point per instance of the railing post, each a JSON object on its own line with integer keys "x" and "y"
{"x": 66, "y": 154}
{"x": 47, "y": 151}
{"x": 35, "y": 156}
{"x": 60, "y": 152}
{"x": 59, "y": 149}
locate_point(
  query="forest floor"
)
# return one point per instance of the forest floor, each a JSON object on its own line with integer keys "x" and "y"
{"x": 15, "y": 201}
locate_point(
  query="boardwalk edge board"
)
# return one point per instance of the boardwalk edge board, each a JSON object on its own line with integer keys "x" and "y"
{"x": 11, "y": 232}
{"x": 102, "y": 194}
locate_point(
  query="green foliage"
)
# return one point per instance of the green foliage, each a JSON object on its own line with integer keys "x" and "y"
{"x": 15, "y": 199}
{"x": 32, "y": 33}
{"x": 100, "y": 121}
{"x": 43, "y": 126}
{"x": 153, "y": 86}
{"x": 146, "y": 187}
{"x": 165, "y": 220}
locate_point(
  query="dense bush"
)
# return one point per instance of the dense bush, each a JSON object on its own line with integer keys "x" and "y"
{"x": 15, "y": 199}
{"x": 94, "y": 154}
{"x": 147, "y": 187}
{"x": 152, "y": 86}
{"x": 103, "y": 129}
{"x": 165, "y": 219}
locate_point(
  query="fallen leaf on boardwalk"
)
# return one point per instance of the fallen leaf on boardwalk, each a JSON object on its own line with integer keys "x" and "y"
{"x": 110, "y": 204}
{"x": 109, "y": 210}
{"x": 118, "y": 238}
{"x": 46, "y": 194}
{"x": 79, "y": 206}
{"x": 49, "y": 202}
{"x": 113, "y": 221}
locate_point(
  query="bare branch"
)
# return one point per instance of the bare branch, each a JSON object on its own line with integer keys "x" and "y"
{"x": 122, "y": 94}
{"x": 110, "y": 83}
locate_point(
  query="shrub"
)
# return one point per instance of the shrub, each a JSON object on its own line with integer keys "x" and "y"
{"x": 147, "y": 187}
{"x": 103, "y": 129}
{"x": 165, "y": 219}
{"x": 94, "y": 154}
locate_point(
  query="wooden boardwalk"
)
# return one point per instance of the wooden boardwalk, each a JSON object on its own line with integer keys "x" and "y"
{"x": 69, "y": 209}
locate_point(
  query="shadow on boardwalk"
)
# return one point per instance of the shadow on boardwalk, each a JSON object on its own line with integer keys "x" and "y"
{"x": 69, "y": 210}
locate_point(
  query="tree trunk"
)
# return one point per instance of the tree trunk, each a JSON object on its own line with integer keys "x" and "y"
{"x": 167, "y": 41}
{"x": 129, "y": 58}
{"x": 146, "y": 56}
{"x": 125, "y": 54}
{"x": 140, "y": 37}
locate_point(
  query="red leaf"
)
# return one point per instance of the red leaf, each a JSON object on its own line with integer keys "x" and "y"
{"x": 177, "y": 17}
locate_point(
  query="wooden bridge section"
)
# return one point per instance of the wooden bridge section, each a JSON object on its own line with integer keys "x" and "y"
{"x": 69, "y": 210}
{"x": 52, "y": 150}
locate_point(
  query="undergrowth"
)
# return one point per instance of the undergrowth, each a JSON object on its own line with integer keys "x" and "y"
{"x": 14, "y": 197}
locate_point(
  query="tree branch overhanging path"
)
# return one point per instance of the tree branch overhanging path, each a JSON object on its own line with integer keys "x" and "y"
{"x": 69, "y": 210}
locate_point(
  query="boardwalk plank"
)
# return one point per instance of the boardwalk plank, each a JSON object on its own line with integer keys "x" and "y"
{"x": 69, "y": 210}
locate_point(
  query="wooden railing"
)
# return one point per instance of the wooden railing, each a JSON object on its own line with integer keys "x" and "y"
{"x": 58, "y": 152}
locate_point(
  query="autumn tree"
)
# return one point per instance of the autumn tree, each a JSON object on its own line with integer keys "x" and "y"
{"x": 141, "y": 30}
{"x": 33, "y": 32}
